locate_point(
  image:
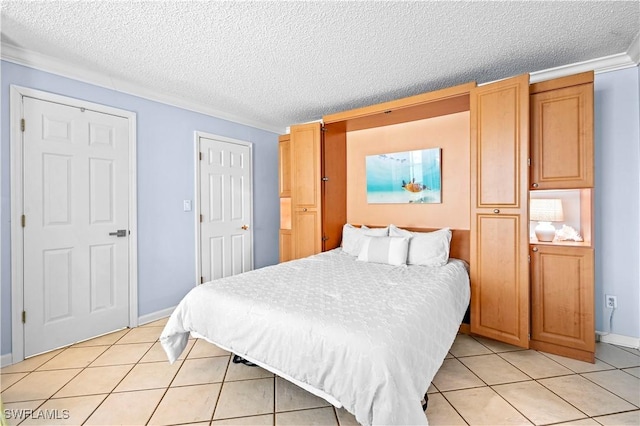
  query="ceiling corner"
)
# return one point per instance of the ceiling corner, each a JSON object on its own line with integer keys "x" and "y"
{"x": 634, "y": 49}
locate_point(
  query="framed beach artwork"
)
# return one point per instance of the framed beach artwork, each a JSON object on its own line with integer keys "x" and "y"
{"x": 404, "y": 177}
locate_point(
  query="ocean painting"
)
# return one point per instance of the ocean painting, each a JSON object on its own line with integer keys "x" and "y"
{"x": 404, "y": 177}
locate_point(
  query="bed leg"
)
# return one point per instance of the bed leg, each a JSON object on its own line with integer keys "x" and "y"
{"x": 239, "y": 360}
{"x": 425, "y": 402}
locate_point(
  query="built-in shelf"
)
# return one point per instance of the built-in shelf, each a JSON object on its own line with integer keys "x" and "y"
{"x": 577, "y": 208}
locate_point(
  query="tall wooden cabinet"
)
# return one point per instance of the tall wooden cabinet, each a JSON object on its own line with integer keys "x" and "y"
{"x": 562, "y": 272}
{"x": 313, "y": 180}
{"x": 499, "y": 206}
{"x": 306, "y": 200}
{"x": 524, "y": 292}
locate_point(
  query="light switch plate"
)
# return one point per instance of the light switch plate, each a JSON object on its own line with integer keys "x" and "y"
{"x": 187, "y": 205}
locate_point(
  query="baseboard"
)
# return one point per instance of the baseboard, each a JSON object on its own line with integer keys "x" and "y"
{"x": 618, "y": 339}
{"x": 6, "y": 359}
{"x": 154, "y": 316}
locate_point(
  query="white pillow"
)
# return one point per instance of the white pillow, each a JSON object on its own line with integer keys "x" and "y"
{"x": 426, "y": 248}
{"x": 352, "y": 237}
{"x": 389, "y": 250}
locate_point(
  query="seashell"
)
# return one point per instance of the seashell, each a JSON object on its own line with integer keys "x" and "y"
{"x": 567, "y": 233}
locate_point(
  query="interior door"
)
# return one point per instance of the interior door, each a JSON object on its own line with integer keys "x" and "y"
{"x": 499, "y": 206}
{"x": 76, "y": 195}
{"x": 225, "y": 208}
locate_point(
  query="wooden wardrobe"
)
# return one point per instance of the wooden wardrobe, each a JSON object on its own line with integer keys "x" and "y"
{"x": 522, "y": 138}
{"x": 312, "y": 175}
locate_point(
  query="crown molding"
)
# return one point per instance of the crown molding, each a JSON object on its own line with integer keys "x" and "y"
{"x": 599, "y": 65}
{"x": 52, "y": 65}
{"x": 634, "y": 49}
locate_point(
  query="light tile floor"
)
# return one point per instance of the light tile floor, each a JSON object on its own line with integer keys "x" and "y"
{"x": 124, "y": 378}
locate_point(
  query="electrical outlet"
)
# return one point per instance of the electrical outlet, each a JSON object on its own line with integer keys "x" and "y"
{"x": 611, "y": 302}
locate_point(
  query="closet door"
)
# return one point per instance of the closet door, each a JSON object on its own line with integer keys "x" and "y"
{"x": 499, "y": 205}
{"x": 562, "y": 133}
{"x": 306, "y": 195}
{"x": 562, "y": 317}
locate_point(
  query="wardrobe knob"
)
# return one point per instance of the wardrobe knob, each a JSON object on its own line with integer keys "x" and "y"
{"x": 535, "y": 185}
{"x": 496, "y": 211}
{"x": 535, "y": 249}
{"x": 304, "y": 209}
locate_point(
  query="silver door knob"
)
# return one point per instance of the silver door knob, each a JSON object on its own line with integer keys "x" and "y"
{"x": 119, "y": 233}
{"x": 496, "y": 211}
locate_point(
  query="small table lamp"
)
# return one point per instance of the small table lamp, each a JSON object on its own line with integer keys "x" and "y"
{"x": 545, "y": 211}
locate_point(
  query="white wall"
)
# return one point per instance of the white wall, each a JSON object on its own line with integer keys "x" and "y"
{"x": 617, "y": 199}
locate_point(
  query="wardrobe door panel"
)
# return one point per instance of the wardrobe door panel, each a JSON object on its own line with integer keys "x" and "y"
{"x": 499, "y": 204}
{"x": 306, "y": 196}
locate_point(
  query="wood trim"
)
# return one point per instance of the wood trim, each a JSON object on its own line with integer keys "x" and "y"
{"x": 562, "y": 351}
{"x": 464, "y": 329}
{"x": 334, "y": 188}
{"x": 562, "y": 82}
{"x": 587, "y": 212}
{"x": 454, "y": 92}
{"x": 284, "y": 165}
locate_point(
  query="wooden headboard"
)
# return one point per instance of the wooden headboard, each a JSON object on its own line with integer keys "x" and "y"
{"x": 460, "y": 240}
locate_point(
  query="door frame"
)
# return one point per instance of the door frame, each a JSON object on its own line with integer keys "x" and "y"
{"x": 196, "y": 208}
{"x": 17, "y": 188}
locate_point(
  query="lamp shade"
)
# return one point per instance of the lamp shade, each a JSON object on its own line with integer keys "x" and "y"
{"x": 546, "y": 210}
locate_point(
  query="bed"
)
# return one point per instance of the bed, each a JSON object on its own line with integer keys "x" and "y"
{"x": 360, "y": 333}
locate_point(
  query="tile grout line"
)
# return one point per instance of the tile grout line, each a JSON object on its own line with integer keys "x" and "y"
{"x": 275, "y": 395}
{"x": 166, "y": 389}
{"x": 108, "y": 394}
{"x": 532, "y": 379}
{"x": 551, "y": 377}
{"x": 489, "y": 386}
{"x": 224, "y": 377}
{"x": 610, "y": 391}
{"x": 123, "y": 377}
{"x": 454, "y": 408}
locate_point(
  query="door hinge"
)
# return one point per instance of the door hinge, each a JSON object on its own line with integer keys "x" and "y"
{"x": 24, "y": 316}
{"x": 201, "y": 280}
{"x": 23, "y": 221}
{"x": 323, "y": 129}
{"x": 200, "y": 218}
{"x": 22, "y": 124}
{"x": 325, "y": 238}
{"x": 200, "y": 156}
{"x": 529, "y": 258}
{"x": 529, "y": 162}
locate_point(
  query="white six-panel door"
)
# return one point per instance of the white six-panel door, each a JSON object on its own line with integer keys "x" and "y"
{"x": 225, "y": 240}
{"x": 76, "y": 193}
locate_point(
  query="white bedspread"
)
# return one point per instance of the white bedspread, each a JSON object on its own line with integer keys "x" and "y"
{"x": 372, "y": 336}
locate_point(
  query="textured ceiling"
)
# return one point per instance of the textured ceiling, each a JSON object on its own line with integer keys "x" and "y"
{"x": 273, "y": 64}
